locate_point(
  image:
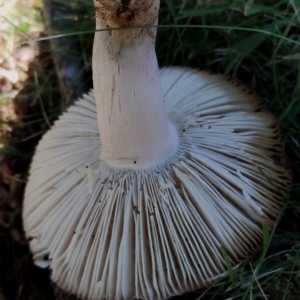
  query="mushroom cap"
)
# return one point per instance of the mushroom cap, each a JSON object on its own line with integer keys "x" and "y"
{"x": 152, "y": 233}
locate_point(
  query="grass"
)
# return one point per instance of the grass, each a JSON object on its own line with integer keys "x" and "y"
{"x": 255, "y": 42}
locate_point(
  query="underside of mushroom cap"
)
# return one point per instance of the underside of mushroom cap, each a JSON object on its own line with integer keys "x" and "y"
{"x": 110, "y": 233}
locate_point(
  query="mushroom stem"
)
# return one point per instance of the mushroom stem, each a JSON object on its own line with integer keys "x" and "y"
{"x": 132, "y": 120}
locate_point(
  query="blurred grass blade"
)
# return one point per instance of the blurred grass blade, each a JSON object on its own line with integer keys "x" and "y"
{"x": 203, "y": 11}
{"x": 228, "y": 263}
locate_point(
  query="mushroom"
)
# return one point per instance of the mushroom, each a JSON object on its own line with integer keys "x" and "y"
{"x": 139, "y": 187}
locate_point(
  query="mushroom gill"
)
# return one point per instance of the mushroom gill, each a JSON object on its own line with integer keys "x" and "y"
{"x": 123, "y": 233}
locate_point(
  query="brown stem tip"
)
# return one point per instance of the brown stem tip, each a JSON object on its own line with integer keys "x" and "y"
{"x": 125, "y": 13}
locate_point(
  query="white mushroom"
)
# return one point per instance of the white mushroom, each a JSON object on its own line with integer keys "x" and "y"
{"x": 182, "y": 164}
